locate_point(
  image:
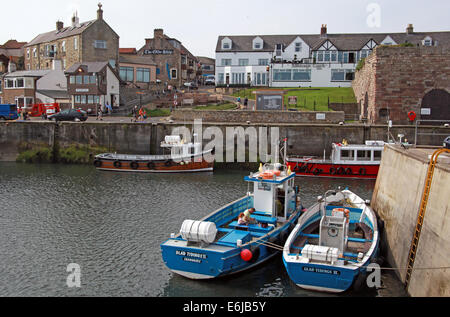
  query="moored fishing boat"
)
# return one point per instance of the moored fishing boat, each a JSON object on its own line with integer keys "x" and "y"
{"x": 333, "y": 243}
{"x": 183, "y": 158}
{"x": 219, "y": 246}
{"x": 347, "y": 161}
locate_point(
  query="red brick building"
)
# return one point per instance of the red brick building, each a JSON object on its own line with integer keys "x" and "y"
{"x": 397, "y": 80}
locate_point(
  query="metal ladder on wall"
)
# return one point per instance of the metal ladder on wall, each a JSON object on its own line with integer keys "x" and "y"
{"x": 421, "y": 216}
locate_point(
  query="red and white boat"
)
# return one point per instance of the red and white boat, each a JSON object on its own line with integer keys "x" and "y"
{"x": 347, "y": 161}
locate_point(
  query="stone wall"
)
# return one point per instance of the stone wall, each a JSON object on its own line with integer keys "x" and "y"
{"x": 396, "y": 199}
{"x": 136, "y": 138}
{"x": 285, "y": 117}
{"x": 398, "y": 78}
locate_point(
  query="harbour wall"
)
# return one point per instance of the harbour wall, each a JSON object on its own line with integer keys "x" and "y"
{"x": 135, "y": 138}
{"x": 397, "y": 198}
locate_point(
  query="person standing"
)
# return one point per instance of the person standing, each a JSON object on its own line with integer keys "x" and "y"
{"x": 246, "y": 103}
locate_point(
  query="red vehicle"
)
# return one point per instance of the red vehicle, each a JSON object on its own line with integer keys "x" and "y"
{"x": 347, "y": 161}
{"x": 44, "y": 110}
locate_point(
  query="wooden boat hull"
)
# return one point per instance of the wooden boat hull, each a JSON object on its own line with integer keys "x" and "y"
{"x": 154, "y": 167}
{"x": 318, "y": 169}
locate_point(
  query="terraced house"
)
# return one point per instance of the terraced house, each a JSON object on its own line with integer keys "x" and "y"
{"x": 90, "y": 41}
{"x": 321, "y": 60}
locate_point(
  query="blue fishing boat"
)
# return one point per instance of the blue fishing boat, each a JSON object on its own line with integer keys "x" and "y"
{"x": 333, "y": 244}
{"x": 219, "y": 245}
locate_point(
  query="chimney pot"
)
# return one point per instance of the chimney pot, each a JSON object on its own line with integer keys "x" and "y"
{"x": 410, "y": 29}
{"x": 159, "y": 33}
{"x": 324, "y": 30}
{"x": 59, "y": 25}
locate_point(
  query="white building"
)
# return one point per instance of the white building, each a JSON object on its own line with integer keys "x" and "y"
{"x": 322, "y": 60}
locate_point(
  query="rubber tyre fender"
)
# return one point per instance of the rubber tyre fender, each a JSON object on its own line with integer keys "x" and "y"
{"x": 98, "y": 163}
{"x": 340, "y": 171}
{"x": 168, "y": 163}
{"x": 362, "y": 171}
{"x": 134, "y": 165}
{"x": 348, "y": 171}
{"x": 151, "y": 166}
{"x": 317, "y": 172}
{"x": 256, "y": 251}
{"x": 333, "y": 171}
{"x": 117, "y": 164}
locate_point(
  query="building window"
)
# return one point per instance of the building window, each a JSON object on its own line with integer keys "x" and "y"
{"x": 327, "y": 56}
{"x": 92, "y": 80}
{"x": 72, "y": 80}
{"x": 342, "y": 75}
{"x": 301, "y": 75}
{"x": 226, "y": 46}
{"x": 243, "y": 62}
{"x": 100, "y": 44}
{"x": 226, "y": 62}
{"x": 79, "y": 80}
{"x": 427, "y": 42}
{"x": 35, "y": 52}
{"x": 282, "y": 75}
{"x": 257, "y": 46}
{"x": 28, "y": 53}
{"x": 174, "y": 73}
{"x": 298, "y": 47}
{"x": 221, "y": 78}
{"x": 333, "y": 56}
{"x": 143, "y": 75}
{"x": 127, "y": 74}
{"x": 9, "y": 83}
{"x": 75, "y": 43}
{"x": 90, "y": 99}
{"x": 320, "y": 56}
{"x": 63, "y": 46}
{"x": 263, "y": 62}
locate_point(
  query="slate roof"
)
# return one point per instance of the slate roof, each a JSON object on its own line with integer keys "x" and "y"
{"x": 92, "y": 67}
{"x": 344, "y": 42}
{"x": 54, "y": 94}
{"x": 28, "y": 73}
{"x": 63, "y": 33}
{"x": 13, "y": 44}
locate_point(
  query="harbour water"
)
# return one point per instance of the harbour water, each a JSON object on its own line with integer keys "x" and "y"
{"x": 112, "y": 225}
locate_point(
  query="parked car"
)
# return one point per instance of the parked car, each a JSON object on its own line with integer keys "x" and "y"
{"x": 210, "y": 80}
{"x": 69, "y": 115}
{"x": 191, "y": 85}
{"x": 447, "y": 143}
{"x": 8, "y": 112}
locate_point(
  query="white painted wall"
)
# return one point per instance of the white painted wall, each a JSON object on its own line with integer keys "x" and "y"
{"x": 113, "y": 87}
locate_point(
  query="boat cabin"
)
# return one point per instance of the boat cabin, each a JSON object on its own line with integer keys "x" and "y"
{"x": 179, "y": 147}
{"x": 369, "y": 153}
{"x": 273, "y": 192}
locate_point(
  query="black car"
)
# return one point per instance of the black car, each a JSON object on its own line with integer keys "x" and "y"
{"x": 447, "y": 143}
{"x": 69, "y": 115}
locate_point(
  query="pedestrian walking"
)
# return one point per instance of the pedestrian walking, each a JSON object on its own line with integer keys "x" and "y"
{"x": 99, "y": 114}
{"x": 135, "y": 114}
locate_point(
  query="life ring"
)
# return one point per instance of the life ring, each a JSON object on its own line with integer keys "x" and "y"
{"x": 168, "y": 163}
{"x": 363, "y": 171}
{"x": 340, "y": 171}
{"x": 117, "y": 164}
{"x": 412, "y": 116}
{"x": 151, "y": 165}
{"x": 333, "y": 171}
{"x": 297, "y": 168}
{"x": 98, "y": 163}
{"x": 348, "y": 171}
{"x": 134, "y": 165}
{"x": 317, "y": 172}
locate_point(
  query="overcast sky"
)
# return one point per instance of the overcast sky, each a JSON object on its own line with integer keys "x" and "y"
{"x": 198, "y": 23}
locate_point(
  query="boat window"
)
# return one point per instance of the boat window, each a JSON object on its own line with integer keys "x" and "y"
{"x": 347, "y": 155}
{"x": 378, "y": 155}
{"x": 364, "y": 155}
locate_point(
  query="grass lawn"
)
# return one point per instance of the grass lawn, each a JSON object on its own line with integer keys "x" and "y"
{"x": 225, "y": 106}
{"x": 156, "y": 113}
{"x": 310, "y": 99}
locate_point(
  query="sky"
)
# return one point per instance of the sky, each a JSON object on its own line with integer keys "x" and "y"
{"x": 198, "y": 23}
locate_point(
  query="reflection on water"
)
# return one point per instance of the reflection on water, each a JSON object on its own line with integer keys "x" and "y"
{"x": 112, "y": 225}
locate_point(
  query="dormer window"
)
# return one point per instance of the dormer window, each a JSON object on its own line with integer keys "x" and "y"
{"x": 226, "y": 44}
{"x": 428, "y": 41}
{"x": 258, "y": 43}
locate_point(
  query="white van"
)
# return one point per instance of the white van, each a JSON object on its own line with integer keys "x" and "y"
{"x": 210, "y": 80}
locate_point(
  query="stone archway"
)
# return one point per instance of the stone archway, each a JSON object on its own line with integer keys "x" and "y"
{"x": 435, "y": 105}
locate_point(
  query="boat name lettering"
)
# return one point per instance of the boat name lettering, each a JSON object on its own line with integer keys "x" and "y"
{"x": 321, "y": 271}
{"x": 192, "y": 255}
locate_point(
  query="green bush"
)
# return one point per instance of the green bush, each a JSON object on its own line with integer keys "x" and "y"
{"x": 33, "y": 156}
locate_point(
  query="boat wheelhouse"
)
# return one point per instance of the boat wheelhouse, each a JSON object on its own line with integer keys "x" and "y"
{"x": 219, "y": 246}
{"x": 346, "y": 161}
{"x": 183, "y": 158}
{"x": 333, "y": 244}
